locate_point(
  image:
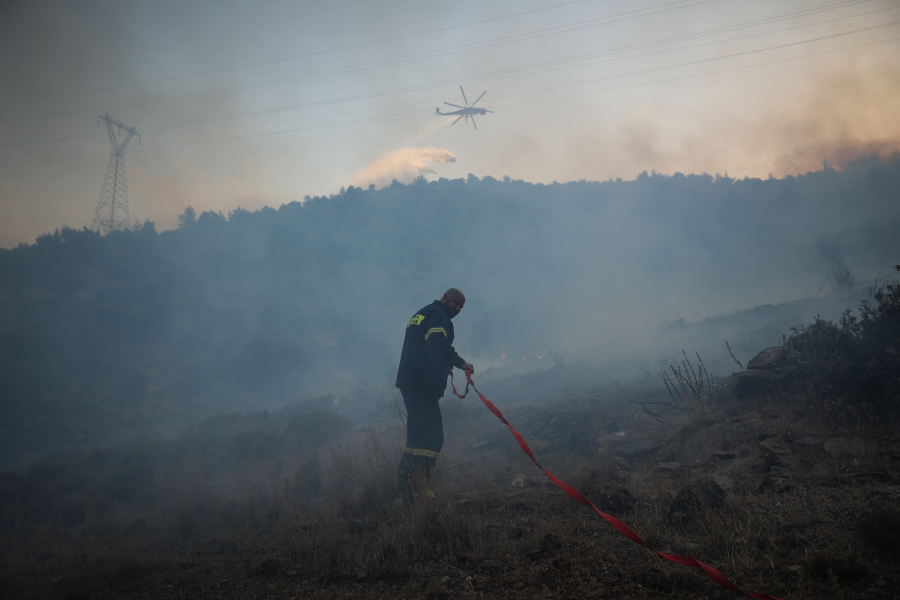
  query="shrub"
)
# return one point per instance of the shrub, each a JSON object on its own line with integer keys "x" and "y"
{"x": 857, "y": 358}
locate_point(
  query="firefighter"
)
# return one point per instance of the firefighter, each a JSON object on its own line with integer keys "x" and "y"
{"x": 426, "y": 360}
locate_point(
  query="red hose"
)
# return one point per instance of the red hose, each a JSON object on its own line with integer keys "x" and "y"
{"x": 682, "y": 560}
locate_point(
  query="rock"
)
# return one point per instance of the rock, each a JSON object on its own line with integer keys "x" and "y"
{"x": 740, "y": 473}
{"x": 849, "y": 447}
{"x": 620, "y": 463}
{"x": 776, "y": 451}
{"x": 267, "y": 567}
{"x": 523, "y": 481}
{"x": 703, "y": 493}
{"x": 755, "y": 428}
{"x": 759, "y": 381}
{"x": 774, "y": 446}
{"x": 636, "y": 447}
{"x": 611, "y": 438}
{"x": 779, "y": 479}
{"x": 435, "y": 587}
{"x": 725, "y": 454}
{"x": 671, "y": 468}
{"x": 801, "y": 424}
{"x": 702, "y": 461}
{"x": 892, "y": 491}
{"x": 613, "y": 500}
{"x": 770, "y": 357}
{"x": 723, "y": 480}
{"x": 822, "y": 469}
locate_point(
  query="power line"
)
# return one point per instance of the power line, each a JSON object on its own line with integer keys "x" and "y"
{"x": 716, "y": 58}
{"x": 329, "y": 51}
{"x": 55, "y": 141}
{"x": 523, "y": 91}
{"x": 408, "y": 114}
{"x": 706, "y": 74}
{"x": 344, "y": 70}
{"x": 518, "y": 70}
{"x": 495, "y": 74}
{"x": 399, "y": 116}
{"x": 499, "y": 73}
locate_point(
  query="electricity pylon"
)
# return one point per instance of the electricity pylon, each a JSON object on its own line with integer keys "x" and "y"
{"x": 112, "y": 207}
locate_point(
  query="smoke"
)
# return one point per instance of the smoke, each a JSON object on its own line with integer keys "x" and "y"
{"x": 404, "y": 165}
{"x": 190, "y": 184}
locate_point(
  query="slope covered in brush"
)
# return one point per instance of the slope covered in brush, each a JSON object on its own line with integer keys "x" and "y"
{"x": 104, "y": 336}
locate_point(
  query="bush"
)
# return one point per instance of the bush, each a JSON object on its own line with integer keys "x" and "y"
{"x": 857, "y": 358}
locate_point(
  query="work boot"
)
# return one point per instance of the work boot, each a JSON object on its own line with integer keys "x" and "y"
{"x": 413, "y": 475}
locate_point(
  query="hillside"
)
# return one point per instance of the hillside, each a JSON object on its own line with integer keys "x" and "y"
{"x": 143, "y": 333}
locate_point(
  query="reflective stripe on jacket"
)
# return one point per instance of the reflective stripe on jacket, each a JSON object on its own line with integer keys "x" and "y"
{"x": 428, "y": 353}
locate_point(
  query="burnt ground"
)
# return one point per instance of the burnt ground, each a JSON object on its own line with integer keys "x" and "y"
{"x": 761, "y": 489}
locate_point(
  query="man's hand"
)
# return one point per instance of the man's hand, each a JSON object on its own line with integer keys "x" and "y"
{"x": 468, "y": 367}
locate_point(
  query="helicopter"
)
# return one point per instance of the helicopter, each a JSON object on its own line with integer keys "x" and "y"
{"x": 466, "y": 111}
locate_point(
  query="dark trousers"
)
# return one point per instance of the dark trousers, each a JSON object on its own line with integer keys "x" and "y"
{"x": 424, "y": 438}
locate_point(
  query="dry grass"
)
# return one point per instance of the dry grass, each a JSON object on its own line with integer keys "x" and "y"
{"x": 322, "y": 521}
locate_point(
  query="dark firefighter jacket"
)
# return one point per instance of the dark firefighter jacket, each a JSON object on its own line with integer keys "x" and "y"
{"x": 428, "y": 353}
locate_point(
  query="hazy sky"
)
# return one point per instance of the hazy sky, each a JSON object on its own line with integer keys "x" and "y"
{"x": 254, "y": 104}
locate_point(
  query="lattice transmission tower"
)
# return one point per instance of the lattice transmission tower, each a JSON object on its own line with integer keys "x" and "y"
{"x": 112, "y": 207}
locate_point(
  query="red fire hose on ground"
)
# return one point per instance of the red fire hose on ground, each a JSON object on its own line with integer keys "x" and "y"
{"x": 688, "y": 561}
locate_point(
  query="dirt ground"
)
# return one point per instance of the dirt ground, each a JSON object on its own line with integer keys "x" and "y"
{"x": 761, "y": 490}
